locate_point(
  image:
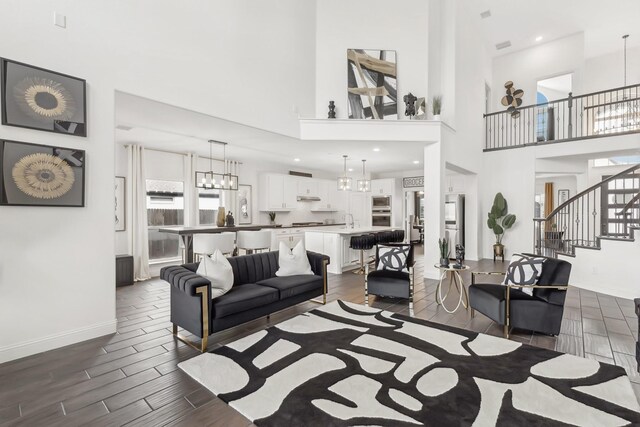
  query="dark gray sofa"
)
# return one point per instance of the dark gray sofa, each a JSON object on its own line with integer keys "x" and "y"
{"x": 256, "y": 292}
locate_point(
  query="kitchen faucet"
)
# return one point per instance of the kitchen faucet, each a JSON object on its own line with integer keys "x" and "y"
{"x": 352, "y": 222}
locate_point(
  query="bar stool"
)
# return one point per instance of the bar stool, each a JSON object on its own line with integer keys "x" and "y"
{"x": 398, "y": 236}
{"x": 207, "y": 243}
{"x": 362, "y": 243}
{"x": 252, "y": 241}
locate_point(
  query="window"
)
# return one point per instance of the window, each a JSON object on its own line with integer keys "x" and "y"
{"x": 617, "y": 161}
{"x": 208, "y": 204}
{"x": 165, "y": 207}
{"x": 615, "y": 196}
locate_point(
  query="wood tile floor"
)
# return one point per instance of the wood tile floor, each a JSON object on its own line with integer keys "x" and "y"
{"x": 131, "y": 377}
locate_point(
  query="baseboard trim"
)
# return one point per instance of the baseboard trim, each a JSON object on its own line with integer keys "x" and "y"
{"x": 51, "y": 342}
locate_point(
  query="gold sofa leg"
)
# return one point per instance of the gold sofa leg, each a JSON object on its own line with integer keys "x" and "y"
{"x": 324, "y": 284}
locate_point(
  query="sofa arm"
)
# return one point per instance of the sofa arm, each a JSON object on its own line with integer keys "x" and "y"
{"x": 317, "y": 262}
{"x": 184, "y": 279}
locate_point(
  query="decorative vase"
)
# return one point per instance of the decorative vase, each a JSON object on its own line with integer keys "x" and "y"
{"x": 272, "y": 221}
{"x": 444, "y": 262}
{"x": 436, "y": 117}
{"x": 221, "y": 217}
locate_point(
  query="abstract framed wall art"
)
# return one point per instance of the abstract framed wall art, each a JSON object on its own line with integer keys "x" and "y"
{"x": 245, "y": 205}
{"x": 41, "y": 175}
{"x": 36, "y": 98}
{"x": 120, "y": 201}
{"x": 371, "y": 84}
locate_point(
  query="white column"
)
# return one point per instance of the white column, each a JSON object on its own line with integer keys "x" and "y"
{"x": 434, "y": 190}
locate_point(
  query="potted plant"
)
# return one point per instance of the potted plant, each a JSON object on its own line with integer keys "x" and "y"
{"x": 499, "y": 221}
{"x": 443, "y": 244}
{"x": 272, "y": 217}
{"x": 436, "y": 107}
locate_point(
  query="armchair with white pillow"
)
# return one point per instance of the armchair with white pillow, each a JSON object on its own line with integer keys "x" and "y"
{"x": 531, "y": 297}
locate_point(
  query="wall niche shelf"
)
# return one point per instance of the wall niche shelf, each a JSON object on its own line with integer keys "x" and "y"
{"x": 372, "y": 130}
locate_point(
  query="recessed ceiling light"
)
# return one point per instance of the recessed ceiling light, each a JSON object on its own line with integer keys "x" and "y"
{"x": 416, "y": 162}
{"x": 350, "y": 169}
{"x": 296, "y": 159}
{"x": 376, "y": 149}
{"x": 539, "y": 38}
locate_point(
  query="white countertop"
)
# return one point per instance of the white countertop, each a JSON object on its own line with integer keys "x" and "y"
{"x": 343, "y": 230}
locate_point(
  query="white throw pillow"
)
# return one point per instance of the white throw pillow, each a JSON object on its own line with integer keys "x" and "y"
{"x": 293, "y": 261}
{"x": 217, "y": 269}
{"x": 393, "y": 257}
{"x": 524, "y": 270}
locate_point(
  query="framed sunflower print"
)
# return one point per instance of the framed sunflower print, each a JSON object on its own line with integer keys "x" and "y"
{"x": 36, "y": 98}
{"x": 41, "y": 175}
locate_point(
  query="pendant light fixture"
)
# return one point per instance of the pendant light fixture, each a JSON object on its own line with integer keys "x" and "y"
{"x": 344, "y": 182}
{"x": 217, "y": 181}
{"x": 364, "y": 184}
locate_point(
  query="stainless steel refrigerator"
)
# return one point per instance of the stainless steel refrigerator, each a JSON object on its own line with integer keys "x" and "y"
{"x": 454, "y": 220}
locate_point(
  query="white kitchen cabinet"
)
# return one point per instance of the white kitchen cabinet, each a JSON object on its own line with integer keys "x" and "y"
{"x": 455, "y": 183}
{"x": 383, "y": 187}
{"x": 277, "y": 192}
{"x": 307, "y": 187}
{"x": 289, "y": 236}
{"x": 328, "y": 198}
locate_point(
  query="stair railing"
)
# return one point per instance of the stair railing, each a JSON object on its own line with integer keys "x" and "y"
{"x": 578, "y": 222}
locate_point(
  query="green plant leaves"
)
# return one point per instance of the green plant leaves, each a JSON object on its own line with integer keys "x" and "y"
{"x": 498, "y": 230}
{"x": 508, "y": 221}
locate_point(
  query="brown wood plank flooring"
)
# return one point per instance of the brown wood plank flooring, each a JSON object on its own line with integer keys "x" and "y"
{"x": 131, "y": 377}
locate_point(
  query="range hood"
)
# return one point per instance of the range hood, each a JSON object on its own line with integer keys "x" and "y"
{"x": 308, "y": 198}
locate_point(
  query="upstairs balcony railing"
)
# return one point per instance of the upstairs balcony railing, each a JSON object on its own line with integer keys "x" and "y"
{"x": 598, "y": 114}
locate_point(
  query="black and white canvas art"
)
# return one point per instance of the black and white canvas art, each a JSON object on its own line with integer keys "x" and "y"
{"x": 371, "y": 84}
{"x": 41, "y": 175}
{"x": 244, "y": 204}
{"x": 36, "y": 98}
{"x": 120, "y": 201}
{"x": 346, "y": 364}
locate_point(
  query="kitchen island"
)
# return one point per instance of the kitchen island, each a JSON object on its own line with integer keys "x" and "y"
{"x": 334, "y": 241}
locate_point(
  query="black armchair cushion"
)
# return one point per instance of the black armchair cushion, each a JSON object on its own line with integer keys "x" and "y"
{"x": 490, "y": 299}
{"x": 388, "y": 283}
{"x": 289, "y": 286}
{"x": 243, "y": 298}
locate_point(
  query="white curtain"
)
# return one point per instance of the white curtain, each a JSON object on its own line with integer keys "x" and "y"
{"x": 191, "y": 217}
{"x": 139, "y": 223}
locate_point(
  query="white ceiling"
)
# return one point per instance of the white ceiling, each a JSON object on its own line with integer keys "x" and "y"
{"x": 165, "y": 127}
{"x": 521, "y": 21}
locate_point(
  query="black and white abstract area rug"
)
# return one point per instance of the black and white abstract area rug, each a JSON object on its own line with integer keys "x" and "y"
{"x": 350, "y": 365}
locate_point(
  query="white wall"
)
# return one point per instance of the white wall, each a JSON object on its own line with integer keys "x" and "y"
{"x": 252, "y": 62}
{"x": 247, "y": 61}
{"x": 371, "y": 24}
{"x": 57, "y": 276}
{"x": 607, "y": 71}
{"x": 527, "y": 66}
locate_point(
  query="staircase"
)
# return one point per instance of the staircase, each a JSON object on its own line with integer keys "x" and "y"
{"x": 608, "y": 210}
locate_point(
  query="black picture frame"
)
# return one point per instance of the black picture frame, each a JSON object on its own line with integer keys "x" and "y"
{"x": 563, "y": 196}
{"x": 10, "y": 193}
{"x": 13, "y": 108}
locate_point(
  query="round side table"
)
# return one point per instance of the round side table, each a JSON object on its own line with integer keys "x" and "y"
{"x": 454, "y": 279}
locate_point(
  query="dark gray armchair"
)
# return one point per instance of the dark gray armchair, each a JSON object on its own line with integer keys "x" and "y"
{"x": 507, "y": 305}
{"x": 390, "y": 283}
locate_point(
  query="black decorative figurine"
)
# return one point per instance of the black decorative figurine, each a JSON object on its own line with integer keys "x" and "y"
{"x": 332, "y": 110}
{"x": 459, "y": 256}
{"x": 410, "y": 105}
{"x": 230, "y": 220}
